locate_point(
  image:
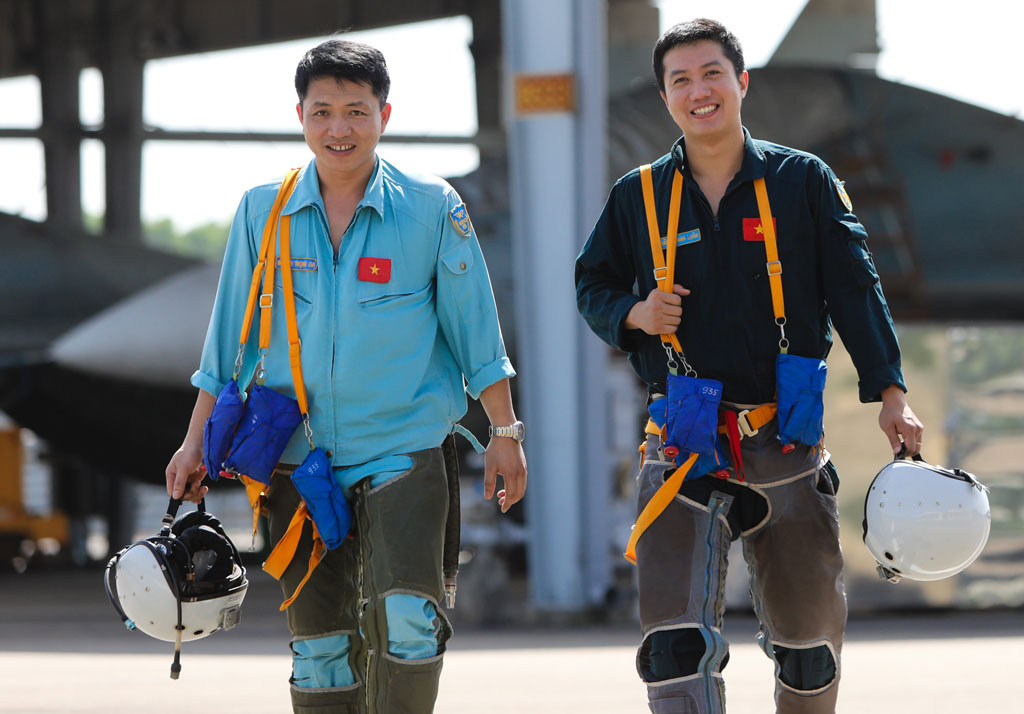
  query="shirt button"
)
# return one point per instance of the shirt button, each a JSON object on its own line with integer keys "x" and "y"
{"x": 462, "y": 266}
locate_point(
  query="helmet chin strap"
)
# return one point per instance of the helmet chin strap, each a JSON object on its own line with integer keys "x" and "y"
{"x": 883, "y": 572}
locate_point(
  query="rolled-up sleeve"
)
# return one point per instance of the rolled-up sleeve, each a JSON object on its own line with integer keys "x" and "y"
{"x": 465, "y": 306}
{"x": 220, "y": 349}
{"x": 853, "y": 292}
{"x": 605, "y": 274}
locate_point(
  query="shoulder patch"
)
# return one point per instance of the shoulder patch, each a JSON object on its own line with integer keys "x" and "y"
{"x": 843, "y": 195}
{"x": 460, "y": 219}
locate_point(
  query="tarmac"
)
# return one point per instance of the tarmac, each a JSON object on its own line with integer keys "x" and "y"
{"x": 64, "y": 651}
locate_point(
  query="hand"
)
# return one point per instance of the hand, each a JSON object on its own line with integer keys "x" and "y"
{"x": 660, "y": 313}
{"x": 505, "y": 456}
{"x": 897, "y": 420}
{"x": 185, "y": 473}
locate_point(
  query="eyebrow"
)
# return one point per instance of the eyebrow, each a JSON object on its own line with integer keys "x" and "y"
{"x": 712, "y": 63}
{"x": 356, "y": 103}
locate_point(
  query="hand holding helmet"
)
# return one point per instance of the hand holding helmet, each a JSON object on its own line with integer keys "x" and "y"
{"x": 182, "y": 584}
{"x": 924, "y": 522}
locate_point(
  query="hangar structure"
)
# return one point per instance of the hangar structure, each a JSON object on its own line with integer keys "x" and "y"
{"x": 565, "y": 103}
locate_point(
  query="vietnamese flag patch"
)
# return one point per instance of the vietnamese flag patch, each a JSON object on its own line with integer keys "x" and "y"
{"x": 375, "y": 270}
{"x": 753, "y": 230}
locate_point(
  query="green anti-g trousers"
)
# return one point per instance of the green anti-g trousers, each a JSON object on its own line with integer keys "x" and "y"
{"x": 395, "y": 548}
{"x": 785, "y": 512}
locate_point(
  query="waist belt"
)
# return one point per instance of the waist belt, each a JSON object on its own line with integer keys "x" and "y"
{"x": 748, "y": 423}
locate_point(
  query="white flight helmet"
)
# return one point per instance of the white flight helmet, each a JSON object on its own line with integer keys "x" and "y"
{"x": 181, "y": 585}
{"x": 925, "y": 522}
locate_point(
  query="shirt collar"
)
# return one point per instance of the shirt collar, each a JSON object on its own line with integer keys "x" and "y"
{"x": 307, "y": 190}
{"x": 754, "y": 164}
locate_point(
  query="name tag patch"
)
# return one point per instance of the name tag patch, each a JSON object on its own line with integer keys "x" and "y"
{"x": 683, "y": 238}
{"x": 307, "y": 264}
{"x": 375, "y": 270}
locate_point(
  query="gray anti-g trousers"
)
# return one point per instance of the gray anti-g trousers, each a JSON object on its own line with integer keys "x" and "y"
{"x": 786, "y": 514}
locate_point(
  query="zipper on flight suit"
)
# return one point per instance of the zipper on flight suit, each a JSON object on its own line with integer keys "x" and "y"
{"x": 711, "y": 604}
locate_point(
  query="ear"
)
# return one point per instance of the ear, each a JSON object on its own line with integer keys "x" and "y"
{"x": 664, "y": 99}
{"x": 744, "y": 83}
{"x": 298, "y": 110}
{"x": 385, "y": 115}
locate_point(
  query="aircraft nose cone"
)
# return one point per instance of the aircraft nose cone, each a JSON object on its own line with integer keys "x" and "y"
{"x": 155, "y": 336}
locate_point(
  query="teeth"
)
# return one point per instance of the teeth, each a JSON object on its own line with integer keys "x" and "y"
{"x": 704, "y": 111}
{"x": 340, "y": 147}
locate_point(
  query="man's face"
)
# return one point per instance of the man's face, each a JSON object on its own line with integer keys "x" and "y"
{"x": 342, "y": 122}
{"x": 702, "y": 92}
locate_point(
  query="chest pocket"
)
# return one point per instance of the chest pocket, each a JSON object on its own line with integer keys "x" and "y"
{"x": 401, "y": 288}
{"x": 303, "y": 282}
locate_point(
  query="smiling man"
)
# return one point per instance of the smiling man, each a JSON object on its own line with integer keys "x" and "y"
{"x": 744, "y": 254}
{"x": 397, "y": 324}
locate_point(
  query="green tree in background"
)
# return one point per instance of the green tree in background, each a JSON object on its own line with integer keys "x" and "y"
{"x": 205, "y": 242}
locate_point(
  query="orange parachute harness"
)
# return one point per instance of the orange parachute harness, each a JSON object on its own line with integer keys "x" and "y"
{"x": 748, "y": 422}
{"x": 277, "y": 231}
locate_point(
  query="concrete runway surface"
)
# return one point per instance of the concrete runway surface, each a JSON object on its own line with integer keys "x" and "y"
{"x": 64, "y": 651}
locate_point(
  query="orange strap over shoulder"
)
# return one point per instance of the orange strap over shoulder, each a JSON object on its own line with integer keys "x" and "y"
{"x": 773, "y": 265}
{"x": 266, "y": 249}
{"x": 664, "y": 269}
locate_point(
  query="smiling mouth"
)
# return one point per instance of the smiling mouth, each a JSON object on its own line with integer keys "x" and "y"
{"x": 340, "y": 148}
{"x": 705, "y": 111}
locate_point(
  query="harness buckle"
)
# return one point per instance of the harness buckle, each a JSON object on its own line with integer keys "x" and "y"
{"x": 743, "y": 421}
{"x": 661, "y": 273}
{"x": 774, "y": 267}
{"x": 266, "y": 300}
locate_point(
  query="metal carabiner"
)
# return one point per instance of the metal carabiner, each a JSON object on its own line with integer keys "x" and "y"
{"x": 783, "y": 342}
{"x": 309, "y": 430}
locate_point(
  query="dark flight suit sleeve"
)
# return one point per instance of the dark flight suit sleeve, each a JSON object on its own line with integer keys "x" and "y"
{"x": 853, "y": 292}
{"x": 605, "y": 274}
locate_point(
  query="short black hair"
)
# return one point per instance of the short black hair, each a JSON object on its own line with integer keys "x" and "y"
{"x": 344, "y": 60}
{"x": 688, "y": 33}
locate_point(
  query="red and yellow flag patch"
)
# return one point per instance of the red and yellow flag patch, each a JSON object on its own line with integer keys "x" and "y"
{"x": 375, "y": 270}
{"x": 754, "y": 231}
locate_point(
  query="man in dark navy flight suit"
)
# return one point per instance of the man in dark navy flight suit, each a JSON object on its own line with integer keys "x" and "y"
{"x": 781, "y": 500}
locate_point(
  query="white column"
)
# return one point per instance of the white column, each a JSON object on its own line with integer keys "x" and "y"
{"x": 555, "y": 183}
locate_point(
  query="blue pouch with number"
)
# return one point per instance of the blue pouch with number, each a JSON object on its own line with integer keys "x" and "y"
{"x": 800, "y": 382}
{"x": 691, "y": 414}
{"x": 219, "y": 430}
{"x": 268, "y": 422}
{"x": 325, "y": 501}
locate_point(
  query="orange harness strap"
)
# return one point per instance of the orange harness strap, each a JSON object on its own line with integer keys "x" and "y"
{"x": 664, "y": 270}
{"x": 284, "y": 552}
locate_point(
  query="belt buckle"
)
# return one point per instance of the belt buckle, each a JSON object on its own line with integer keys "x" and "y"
{"x": 743, "y": 421}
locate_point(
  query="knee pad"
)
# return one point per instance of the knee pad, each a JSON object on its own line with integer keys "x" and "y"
{"x": 680, "y": 652}
{"x": 414, "y": 626}
{"x": 805, "y": 669}
{"x": 322, "y": 662}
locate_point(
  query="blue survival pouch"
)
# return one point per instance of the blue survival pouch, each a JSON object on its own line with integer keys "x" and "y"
{"x": 800, "y": 382}
{"x": 691, "y": 414}
{"x": 220, "y": 428}
{"x": 269, "y": 420}
{"x": 325, "y": 501}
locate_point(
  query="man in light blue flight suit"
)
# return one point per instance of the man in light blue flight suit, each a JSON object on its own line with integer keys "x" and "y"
{"x": 397, "y": 322}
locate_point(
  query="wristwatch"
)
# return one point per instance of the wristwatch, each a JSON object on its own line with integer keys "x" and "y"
{"x": 515, "y": 431}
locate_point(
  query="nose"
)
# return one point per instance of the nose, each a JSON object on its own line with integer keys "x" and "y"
{"x": 339, "y": 126}
{"x": 699, "y": 89}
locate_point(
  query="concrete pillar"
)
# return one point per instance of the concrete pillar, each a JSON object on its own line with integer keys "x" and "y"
{"x": 59, "y": 67}
{"x": 555, "y": 108}
{"x": 121, "y": 64}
